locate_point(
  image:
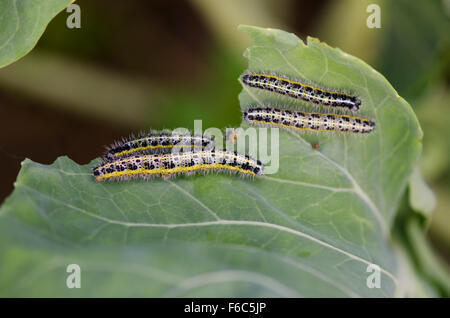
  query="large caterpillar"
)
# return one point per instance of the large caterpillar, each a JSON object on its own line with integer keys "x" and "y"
{"x": 173, "y": 164}
{"x": 296, "y": 89}
{"x": 162, "y": 142}
{"x": 300, "y": 120}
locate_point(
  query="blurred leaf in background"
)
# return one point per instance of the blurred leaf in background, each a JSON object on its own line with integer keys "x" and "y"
{"x": 415, "y": 49}
{"x": 415, "y": 57}
{"x": 22, "y": 24}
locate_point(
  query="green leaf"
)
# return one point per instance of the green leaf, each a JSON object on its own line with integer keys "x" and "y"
{"x": 421, "y": 197}
{"x": 311, "y": 229}
{"x": 22, "y": 23}
{"x": 435, "y": 269}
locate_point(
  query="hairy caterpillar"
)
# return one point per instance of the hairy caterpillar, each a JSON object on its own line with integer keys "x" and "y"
{"x": 173, "y": 164}
{"x": 296, "y": 89}
{"x": 163, "y": 142}
{"x": 300, "y": 120}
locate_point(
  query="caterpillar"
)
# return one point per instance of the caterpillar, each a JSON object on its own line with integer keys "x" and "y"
{"x": 173, "y": 164}
{"x": 300, "y": 120}
{"x": 297, "y": 89}
{"x": 156, "y": 143}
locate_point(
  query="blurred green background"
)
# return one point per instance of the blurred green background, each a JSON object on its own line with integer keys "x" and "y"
{"x": 137, "y": 64}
